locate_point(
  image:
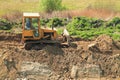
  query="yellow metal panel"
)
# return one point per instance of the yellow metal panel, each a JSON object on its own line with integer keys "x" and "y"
{"x": 41, "y": 33}
{"x": 47, "y": 30}
{"x": 28, "y": 33}
{"x": 55, "y": 35}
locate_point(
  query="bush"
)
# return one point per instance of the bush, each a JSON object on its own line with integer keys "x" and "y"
{"x": 114, "y": 22}
{"x": 89, "y": 28}
{"x": 51, "y": 5}
{"x": 83, "y": 23}
{"x": 43, "y": 22}
{"x": 86, "y": 28}
{"x": 5, "y": 25}
{"x": 55, "y": 22}
{"x": 95, "y": 23}
{"x": 118, "y": 26}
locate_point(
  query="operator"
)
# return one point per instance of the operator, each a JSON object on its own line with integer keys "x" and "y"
{"x": 66, "y": 36}
{"x": 27, "y": 24}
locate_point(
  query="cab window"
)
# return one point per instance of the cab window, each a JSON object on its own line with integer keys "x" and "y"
{"x": 35, "y": 23}
{"x": 27, "y": 24}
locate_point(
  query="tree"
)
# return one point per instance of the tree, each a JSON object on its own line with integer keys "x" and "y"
{"x": 51, "y": 5}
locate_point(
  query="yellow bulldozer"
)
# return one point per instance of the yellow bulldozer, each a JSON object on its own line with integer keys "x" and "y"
{"x": 33, "y": 34}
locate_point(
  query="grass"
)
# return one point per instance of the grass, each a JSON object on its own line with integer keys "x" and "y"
{"x": 8, "y": 6}
{"x": 95, "y": 32}
{"x": 77, "y": 4}
{"x": 107, "y": 4}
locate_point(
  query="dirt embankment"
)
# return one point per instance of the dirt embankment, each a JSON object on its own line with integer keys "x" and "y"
{"x": 8, "y": 36}
{"x": 104, "y": 52}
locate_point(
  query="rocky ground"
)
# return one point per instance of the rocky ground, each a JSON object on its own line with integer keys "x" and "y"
{"x": 90, "y": 60}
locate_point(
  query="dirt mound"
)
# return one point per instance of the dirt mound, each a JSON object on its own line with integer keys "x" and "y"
{"x": 9, "y": 36}
{"x": 61, "y": 60}
{"x": 103, "y": 44}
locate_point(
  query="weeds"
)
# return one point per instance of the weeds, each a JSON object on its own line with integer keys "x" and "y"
{"x": 84, "y": 27}
{"x": 87, "y": 28}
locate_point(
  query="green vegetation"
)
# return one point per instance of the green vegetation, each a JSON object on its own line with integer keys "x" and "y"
{"x": 89, "y": 28}
{"x": 112, "y": 5}
{"x": 107, "y": 4}
{"x": 86, "y": 28}
{"x": 51, "y": 5}
{"x": 83, "y": 27}
{"x": 60, "y": 30}
{"x": 8, "y": 6}
{"x": 115, "y": 22}
{"x": 82, "y": 23}
{"x": 95, "y": 32}
{"x": 54, "y": 22}
{"x": 5, "y": 25}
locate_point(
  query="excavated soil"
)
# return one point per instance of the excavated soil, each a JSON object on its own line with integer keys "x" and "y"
{"x": 103, "y": 51}
{"x": 7, "y": 36}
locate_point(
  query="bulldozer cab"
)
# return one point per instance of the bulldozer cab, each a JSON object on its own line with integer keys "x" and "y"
{"x": 32, "y": 30}
{"x": 31, "y": 26}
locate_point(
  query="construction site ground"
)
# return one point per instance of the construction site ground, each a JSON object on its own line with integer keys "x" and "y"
{"x": 98, "y": 59}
